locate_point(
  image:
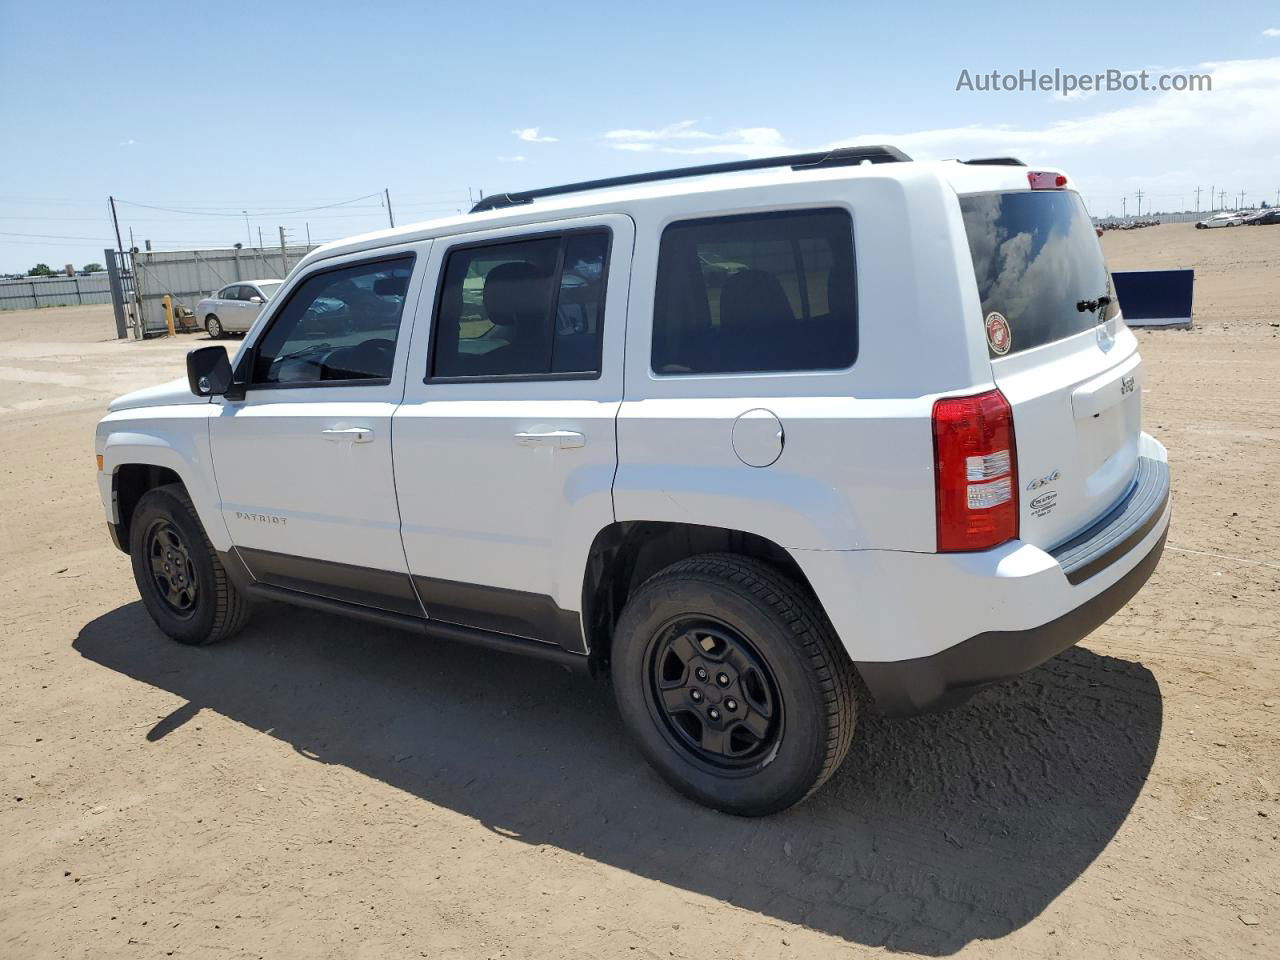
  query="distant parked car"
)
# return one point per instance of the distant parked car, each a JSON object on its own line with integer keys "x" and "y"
{"x": 1264, "y": 218}
{"x": 1221, "y": 220}
{"x": 234, "y": 308}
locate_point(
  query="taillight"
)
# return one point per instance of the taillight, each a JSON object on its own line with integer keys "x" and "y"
{"x": 975, "y": 472}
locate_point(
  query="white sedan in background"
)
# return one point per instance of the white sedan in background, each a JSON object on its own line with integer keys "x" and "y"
{"x": 1229, "y": 219}
{"x": 234, "y": 308}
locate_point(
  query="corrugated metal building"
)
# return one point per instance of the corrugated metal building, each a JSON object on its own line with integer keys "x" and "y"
{"x": 27, "y": 293}
{"x": 188, "y": 275}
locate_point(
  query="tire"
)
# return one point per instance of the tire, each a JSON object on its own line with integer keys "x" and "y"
{"x": 181, "y": 581}
{"x": 786, "y": 714}
{"x": 213, "y": 327}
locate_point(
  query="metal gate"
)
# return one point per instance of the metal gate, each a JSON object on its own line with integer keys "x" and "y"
{"x": 124, "y": 294}
{"x": 185, "y": 276}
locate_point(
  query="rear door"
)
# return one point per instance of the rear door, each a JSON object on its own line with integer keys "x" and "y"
{"x": 505, "y": 445}
{"x": 1060, "y": 353}
{"x": 240, "y": 313}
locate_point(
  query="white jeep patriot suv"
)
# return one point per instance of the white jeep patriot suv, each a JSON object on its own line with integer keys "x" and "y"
{"x": 768, "y": 442}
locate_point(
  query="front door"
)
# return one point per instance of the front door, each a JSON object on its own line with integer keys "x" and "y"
{"x": 504, "y": 444}
{"x": 303, "y": 463}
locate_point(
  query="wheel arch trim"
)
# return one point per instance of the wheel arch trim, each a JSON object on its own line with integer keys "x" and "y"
{"x": 625, "y": 553}
{"x": 182, "y": 452}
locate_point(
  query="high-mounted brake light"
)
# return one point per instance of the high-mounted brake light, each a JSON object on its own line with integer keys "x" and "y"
{"x": 975, "y": 472}
{"x": 1045, "y": 180}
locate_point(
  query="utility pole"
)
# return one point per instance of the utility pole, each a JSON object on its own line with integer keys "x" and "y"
{"x": 115, "y": 220}
{"x": 1241, "y": 207}
{"x": 1211, "y": 187}
{"x": 1197, "y": 199}
{"x": 1222, "y": 199}
{"x": 284, "y": 254}
{"x": 390, "y": 216}
{"x": 1124, "y": 213}
{"x": 308, "y": 233}
{"x": 259, "y": 239}
{"x": 1139, "y": 201}
{"x": 248, "y": 235}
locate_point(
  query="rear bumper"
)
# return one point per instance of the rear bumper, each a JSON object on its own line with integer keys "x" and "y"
{"x": 948, "y": 678}
{"x": 928, "y": 629}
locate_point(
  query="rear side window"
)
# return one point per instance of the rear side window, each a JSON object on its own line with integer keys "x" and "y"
{"x": 528, "y": 308}
{"x": 1038, "y": 264}
{"x": 761, "y": 293}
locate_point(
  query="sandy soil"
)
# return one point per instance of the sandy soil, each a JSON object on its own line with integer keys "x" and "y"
{"x": 317, "y": 788}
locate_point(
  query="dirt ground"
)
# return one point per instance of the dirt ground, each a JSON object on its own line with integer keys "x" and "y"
{"x": 319, "y": 788}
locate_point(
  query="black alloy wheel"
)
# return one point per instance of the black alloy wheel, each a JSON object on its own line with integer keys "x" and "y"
{"x": 712, "y": 693}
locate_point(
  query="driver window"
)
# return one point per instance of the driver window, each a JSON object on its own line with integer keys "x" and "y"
{"x": 337, "y": 326}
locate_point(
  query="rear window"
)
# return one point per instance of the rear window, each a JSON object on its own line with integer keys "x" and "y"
{"x": 1038, "y": 263}
{"x": 759, "y": 293}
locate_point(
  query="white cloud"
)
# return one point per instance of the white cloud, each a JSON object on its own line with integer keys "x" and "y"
{"x": 1239, "y": 109}
{"x": 685, "y": 138}
{"x": 684, "y": 130}
{"x": 1164, "y": 143}
{"x": 514, "y": 158}
{"x": 531, "y": 135}
{"x": 1228, "y": 137}
{"x": 1271, "y": 32}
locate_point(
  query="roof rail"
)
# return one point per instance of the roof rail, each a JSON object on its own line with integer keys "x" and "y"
{"x": 996, "y": 162}
{"x": 840, "y": 157}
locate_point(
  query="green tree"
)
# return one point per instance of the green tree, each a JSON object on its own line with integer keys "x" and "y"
{"x": 93, "y": 268}
{"x": 40, "y": 270}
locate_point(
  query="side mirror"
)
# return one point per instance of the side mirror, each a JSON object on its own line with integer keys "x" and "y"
{"x": 256, "y": 300}
{"x": 209, "y": 371}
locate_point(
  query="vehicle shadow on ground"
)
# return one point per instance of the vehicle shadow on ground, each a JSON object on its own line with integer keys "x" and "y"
{"x": 936, "y": 832}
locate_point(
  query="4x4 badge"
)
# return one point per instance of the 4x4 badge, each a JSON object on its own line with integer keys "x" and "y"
{"x": 1044, "y": 481}
{"x": 999, "y": 336}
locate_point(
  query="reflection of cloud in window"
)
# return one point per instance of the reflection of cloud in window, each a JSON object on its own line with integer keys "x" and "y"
{"x": 1046, "y": 278}
{"x": 1018, "y": 276}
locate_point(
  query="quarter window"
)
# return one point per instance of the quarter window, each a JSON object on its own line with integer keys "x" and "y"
{"x": 526, "y": 308}
{"x": 762, "y": 293}
{"x": 339, "y": 325}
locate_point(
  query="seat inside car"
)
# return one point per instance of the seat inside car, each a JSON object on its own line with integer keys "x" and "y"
{"x": 756, "y": 320}
{"x": 516, "y": 298}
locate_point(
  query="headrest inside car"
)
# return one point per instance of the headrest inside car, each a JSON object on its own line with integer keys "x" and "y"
{"x": 391, "y": 286}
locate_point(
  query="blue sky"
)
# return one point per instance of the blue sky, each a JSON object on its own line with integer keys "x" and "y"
{"x": 213, "y": 108}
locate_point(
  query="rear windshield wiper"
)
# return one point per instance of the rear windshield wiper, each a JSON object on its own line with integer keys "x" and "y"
{"x": 1092, "y": 306}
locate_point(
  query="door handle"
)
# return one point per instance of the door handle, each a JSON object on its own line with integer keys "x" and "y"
{"x": 354, "y": 434}
{"x": 561, "y": 439}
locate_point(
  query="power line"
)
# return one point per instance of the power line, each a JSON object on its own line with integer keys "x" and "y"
{"x": 263, "y": 212}
{"x": 53, "y": 236}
